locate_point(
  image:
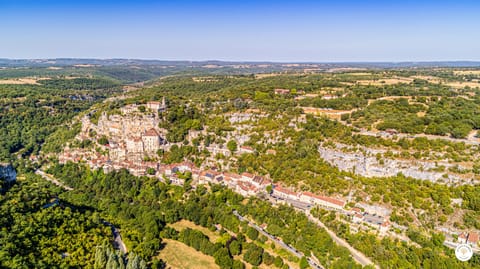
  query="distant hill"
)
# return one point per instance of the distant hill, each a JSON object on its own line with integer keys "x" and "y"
{"x": 135, "y": 70}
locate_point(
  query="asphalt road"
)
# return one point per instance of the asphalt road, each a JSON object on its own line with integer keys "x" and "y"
{"x": 292, "y": 250}
{"x": 52, "y": 179}
{"x": 356, "y": 255}
{"x": 117, "y": 238}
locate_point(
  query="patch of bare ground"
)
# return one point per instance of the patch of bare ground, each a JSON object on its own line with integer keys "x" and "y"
{"x": 266, "y": 75}
{"x": 18, "y": 81}
{"x": 183, "y": 224}
{"x": 180, "y": 256}
{"x": 462, "y": 84}
{"x": 385, "y": 81}
{"x": 466, "y": 72}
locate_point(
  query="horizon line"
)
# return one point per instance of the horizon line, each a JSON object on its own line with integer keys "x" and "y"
{"x": 238, "y": 61}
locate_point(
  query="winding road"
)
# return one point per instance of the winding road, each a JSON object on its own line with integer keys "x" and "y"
{"x": 289, "y": 248}
{"x": 117, "y": 238}
{"x": 53, "y": 180}
{"x": 356, "y": 255}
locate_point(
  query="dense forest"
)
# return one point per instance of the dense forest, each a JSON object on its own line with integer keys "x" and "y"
{"x": 140, "y": 200}
{"x": 29, "y": 114}
{"x": 39, "y": 230}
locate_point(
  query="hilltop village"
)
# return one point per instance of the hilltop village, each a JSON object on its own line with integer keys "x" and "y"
{"x": 132, "y": 138}
{"x": 340, "y": 169}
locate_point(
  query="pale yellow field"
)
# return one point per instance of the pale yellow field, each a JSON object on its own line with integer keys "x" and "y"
{"x": 329, "y": 113}
{"x": 180, "y": 256}
{"x": 430, "y": 79}
{"x": 359, "y": 74}
{"x": 466, "y": 72}
{"x": 266, "y": 75}
{"x": 183, "y": 224}
{"x": 17, "y": 81}
{"x": 385, "y": 81}
{"x": 346, "y": 69}
{"x": 471, "y": 84}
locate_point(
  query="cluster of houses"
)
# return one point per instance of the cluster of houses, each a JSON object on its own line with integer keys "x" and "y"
{"x": 373, "y": 216}
{"x": 281, "y": 192}
{"x": 379, "y": 222}
{"x": 245, "y": 184}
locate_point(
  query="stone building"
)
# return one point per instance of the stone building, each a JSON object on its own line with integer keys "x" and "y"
{"x": 151, "y": 141}
{"x": 134, "y": 144}
{"x": 157, "y": 106}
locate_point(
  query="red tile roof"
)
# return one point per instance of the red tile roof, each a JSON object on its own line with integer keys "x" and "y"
{"x": 232, "y": 175}
{"x": 247, "y": 148}
{"x": 473, "y": 237}
{"x": 385, "y": 224}
{"x": 151, "y": 132}
{"x": 360, "y": 216}
{"x": 325, "y": 198}
{"x": 279, "y": 188}
{"x": 245, "y": 174}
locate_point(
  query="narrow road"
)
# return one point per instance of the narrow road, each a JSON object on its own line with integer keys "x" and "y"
{"x": 117, "y": 238}
{"x": 453, "y": 245}
{"x": 52, "y": 179}
{"x": 291, "y": 249}
{"x": 356, "y": 255}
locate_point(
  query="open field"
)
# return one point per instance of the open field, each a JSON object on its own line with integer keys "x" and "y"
{"x": 183, "y": 224}
{"x": 266, "y": 75}
{"x": 17, "y": 81}
{"x": 385, "y": 81}
{"x": 329, "y": 113}
{"x": 180, "y": 256}
{"x": 359, "y": 74}
{"x": 430, "y": 79}
{"x": 466, "y": 72}
{"x": 458, "y": 84}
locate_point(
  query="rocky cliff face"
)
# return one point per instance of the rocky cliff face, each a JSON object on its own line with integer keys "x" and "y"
{"x": 367, "y": 165}
{"x": 7, "y": 172}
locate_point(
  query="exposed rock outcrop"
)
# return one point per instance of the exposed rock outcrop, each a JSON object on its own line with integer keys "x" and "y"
{"x": 366, "y": 164}
{"x": 7, "y": 172}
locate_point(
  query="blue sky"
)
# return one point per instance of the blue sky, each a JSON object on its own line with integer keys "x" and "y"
{"x": 319, "y": 31}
